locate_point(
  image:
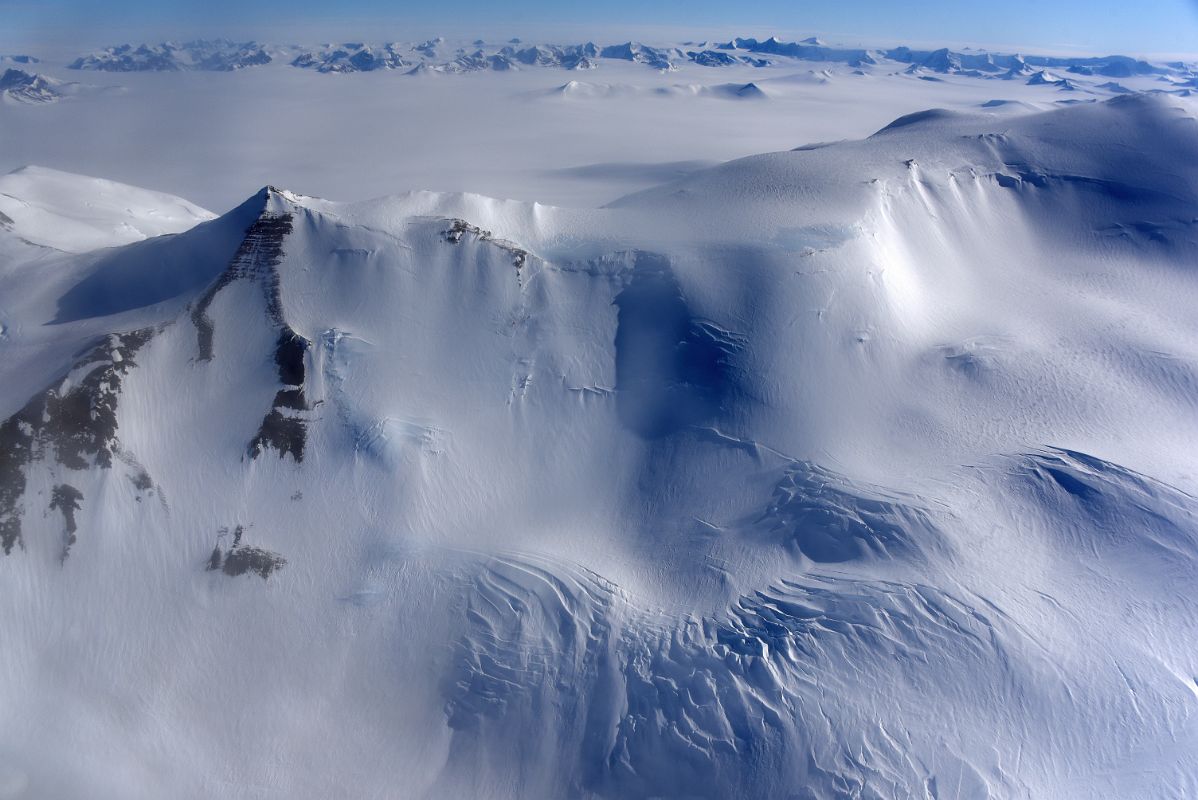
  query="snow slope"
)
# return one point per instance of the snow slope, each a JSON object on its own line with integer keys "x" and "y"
{"x": 859, "y": 470}
{"x": 76, "y": 214}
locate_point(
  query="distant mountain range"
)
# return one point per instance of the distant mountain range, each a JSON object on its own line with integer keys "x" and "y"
{"x": 436, "y": 55}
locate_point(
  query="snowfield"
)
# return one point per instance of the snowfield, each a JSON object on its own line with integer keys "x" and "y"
{"x": 861, "y": 470}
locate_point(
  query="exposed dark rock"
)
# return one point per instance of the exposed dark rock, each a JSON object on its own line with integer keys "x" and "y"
{"x": 290, "y": 398}
{"x": 74, "y": 421}
{"x": 242, "y": 559}
{"x": 252, "y": 559}
{"x": 289, "y": 356}
{"x": 283, "y": 428}
{"x": 285, "y": 434}
{"x": 829, "y": 519}
{"x": 256, "y": 258}
{"x": 80, "y": 416}
{"x": 459, "y": 228}
{"x": 142, "y": 481}
{"x": 65, "y": 498}
{"x": 17, "y": 440}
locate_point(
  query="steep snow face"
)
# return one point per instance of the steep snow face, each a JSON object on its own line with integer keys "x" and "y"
{"x": 818, "y": 474}
{"x": 70, "y": 212}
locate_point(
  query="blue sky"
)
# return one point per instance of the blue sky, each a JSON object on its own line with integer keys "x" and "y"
{"x": 1133, "y": 26}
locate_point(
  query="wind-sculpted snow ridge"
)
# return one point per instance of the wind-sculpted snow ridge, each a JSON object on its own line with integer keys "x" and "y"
{"x": 778, "y": 695}
{"x": 793, "y": 690}
{"x": 1105, "y": 507}
{"x": 819, "y": 515}
{"x": 857, "y": 470}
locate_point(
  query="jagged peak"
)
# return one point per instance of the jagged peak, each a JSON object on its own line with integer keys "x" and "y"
{"x": 269, "y": 199}
{"x": 281, "y": 195}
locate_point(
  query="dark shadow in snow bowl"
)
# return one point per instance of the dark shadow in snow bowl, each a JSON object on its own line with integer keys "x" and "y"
{"x": 672, "y": 370}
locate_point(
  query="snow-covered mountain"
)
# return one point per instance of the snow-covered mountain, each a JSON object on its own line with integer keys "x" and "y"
{"x": 574, "y": 57}
{"x": 860, "y": 470}
{"x": 354, "y": 57}
{"x": 17, "y": 85}
{"x": 213, "y": 55}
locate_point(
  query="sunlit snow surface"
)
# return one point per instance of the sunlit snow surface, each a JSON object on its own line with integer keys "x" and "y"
{"x": 862, "y": 470}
